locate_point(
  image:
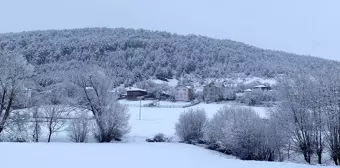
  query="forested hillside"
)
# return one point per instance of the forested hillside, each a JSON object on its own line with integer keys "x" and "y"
{"x": 133, "y": 55}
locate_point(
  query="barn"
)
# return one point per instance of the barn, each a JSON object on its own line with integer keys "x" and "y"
{"x": 133, "y": 93}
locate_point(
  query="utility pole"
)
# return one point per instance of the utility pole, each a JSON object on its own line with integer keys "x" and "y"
{"x": 140, "y": 109}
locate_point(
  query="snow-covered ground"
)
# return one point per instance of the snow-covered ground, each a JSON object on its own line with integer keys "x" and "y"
{"x": 154, "y": 120}
{"x": 175, "y": 104}
{"x": 124, "y": 155}
{"x": 133, "y": 151}
{"x": 163, "y": 120}
{"x": 135, "y": 103}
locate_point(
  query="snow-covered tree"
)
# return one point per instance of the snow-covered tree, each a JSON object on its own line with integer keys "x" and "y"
{"x": 97, "y": 96}
{"x": 79, "y": 127}
{"x": 14, "y": 71}
{"x": 37, "y": 120}
{"x": 191, "y": 125}
{"x": 55, "y": 116}
{"x": 243, "y": 133}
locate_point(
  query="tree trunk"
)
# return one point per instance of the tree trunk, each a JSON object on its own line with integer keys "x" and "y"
{"x": 7, "y": 112}
{"x": 49, "y": 137}
{"x": 50, "y": 131}
{"x": 36, "y": 138}
{"x": 335, "y": 159}
{"x": 319, "y": 154}
{"x": 307, "y": 157}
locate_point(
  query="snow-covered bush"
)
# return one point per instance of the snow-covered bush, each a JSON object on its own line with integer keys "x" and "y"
{"x": 158, "y": 138}
{"x": 191, "y": 125}
{"x": 79, "y": 128}
{"x": 258, "y": 97}
{"x": 112, "y": 123}
{"x": 17, "y": 129}
{"x": 241, "y": 132}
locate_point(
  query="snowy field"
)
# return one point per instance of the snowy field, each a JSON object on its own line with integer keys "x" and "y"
{"x": 163, "y": 120}
{"x": 135, "y": 103}
{"x": 154, "y": 120}
{"x": 169, "y": 103}
{"x": 123, "y": 155}
{"x": 133, "y": 151}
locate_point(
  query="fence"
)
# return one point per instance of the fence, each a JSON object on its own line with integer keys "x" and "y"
{"x": 156, "y": 105}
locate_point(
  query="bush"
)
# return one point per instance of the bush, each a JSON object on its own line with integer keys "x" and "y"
{"x": 258, "y": 97}
{"x": 113, "y": 123}
{"x": 241, "y": 132}
{"x": 191, "y": 125}
{"x": 158, "y": 138}
{"x": 79, "y": 129}
{"x": 17, "y": 128}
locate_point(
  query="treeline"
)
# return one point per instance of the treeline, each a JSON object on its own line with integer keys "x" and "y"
{"x": 134, "y": 55}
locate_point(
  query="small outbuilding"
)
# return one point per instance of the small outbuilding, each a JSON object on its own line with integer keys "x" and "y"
{"x": 133, "y": 93}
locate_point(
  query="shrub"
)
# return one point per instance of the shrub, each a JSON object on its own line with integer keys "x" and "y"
{"x": 79, "y": 129}
{"x": 191, "y": 125}
{"x": 158, "y": 138}
{"x": 241, "y": 132}
{"x": 112, "y": 123}
{"x": 17, "y": 128}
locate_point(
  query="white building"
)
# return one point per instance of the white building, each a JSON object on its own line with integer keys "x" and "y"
{"x": 183, "y": 93}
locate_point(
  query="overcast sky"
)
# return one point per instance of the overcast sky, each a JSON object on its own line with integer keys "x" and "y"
{"x": 310, "y": 27}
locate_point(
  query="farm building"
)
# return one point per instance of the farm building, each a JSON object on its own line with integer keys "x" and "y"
{"x": 183, "y": 93}
{"x": 212, "y": 93}
{"x": 133, "y": 93}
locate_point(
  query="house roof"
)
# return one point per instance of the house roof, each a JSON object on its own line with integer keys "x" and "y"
{"x": 134, "y": 89}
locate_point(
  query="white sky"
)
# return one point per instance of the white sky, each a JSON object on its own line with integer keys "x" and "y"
{"x": 309, "y": 27}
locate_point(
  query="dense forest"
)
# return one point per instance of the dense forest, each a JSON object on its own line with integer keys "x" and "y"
{"x": 133, "y": 55}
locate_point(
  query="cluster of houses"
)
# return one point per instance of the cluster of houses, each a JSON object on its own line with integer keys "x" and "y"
{"x": 211, "y": 93}
{"x": 182, "y": 93}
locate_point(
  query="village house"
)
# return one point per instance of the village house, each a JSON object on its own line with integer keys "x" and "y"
{"x": 134, "y": 93}
{"x": 212, "y": 93}
{"x": 183, "y": 93}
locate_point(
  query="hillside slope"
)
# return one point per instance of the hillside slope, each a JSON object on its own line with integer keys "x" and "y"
{"x": 132, "y": 55}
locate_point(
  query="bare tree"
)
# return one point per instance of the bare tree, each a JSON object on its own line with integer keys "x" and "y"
{"x": 36, "y": 123}
{"x": 55, "y": 118}
{"x": 14, "y": 70}
{"x": 97, "y": 96}
{"x": 294, "y": 109}
{"x": 331, "y": 99}
{"x": 113, "y": 123}
{"x": 79, "y": 128}
{"x": 191, "y": 125}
